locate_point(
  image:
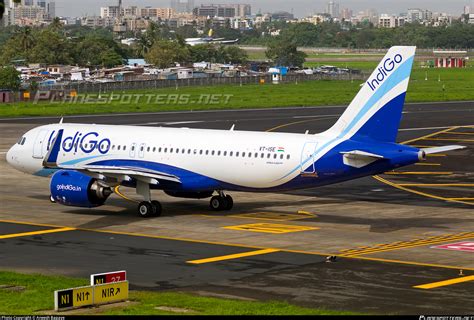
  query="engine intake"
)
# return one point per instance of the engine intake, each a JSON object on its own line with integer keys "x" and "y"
{"x": 72, "y": 188}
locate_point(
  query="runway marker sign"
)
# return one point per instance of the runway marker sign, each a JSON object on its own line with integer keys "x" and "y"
{"x": 108, "y": 277}
{"x": 73, "y": 298}
{"x": 111, "y": 292}
{"x": 467, "y": 246}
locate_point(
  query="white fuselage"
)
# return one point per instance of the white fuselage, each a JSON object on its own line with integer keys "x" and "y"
{"x": 243, "y": 158}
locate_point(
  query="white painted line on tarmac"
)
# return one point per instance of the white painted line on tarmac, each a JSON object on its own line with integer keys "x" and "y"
{"x": 429, "y": 128}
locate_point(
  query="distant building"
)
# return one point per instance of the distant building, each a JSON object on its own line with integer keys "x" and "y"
{"x": 418, "y": 15}
{"x": 449, "y": 59}
{"x": 346, "y": 14}
{"x": 467, "y": 10}
{"x": 471, "y": 18}
{"x": 110, "y": 12}
{"x": 223, "y": 10}
{"x": 282, "y": 15}
{"x": 332, "y": 8}
{"x": 162, "y": 13}
{"x": 182, "y": 6}
{"x": 390, "y": 21}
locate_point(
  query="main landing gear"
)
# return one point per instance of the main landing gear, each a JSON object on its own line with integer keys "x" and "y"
{"x": 221, "y": 202}
{"x": 147, "y": 208}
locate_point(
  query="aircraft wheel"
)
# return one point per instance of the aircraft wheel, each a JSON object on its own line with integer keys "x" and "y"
{"x": 157, "y": 209}
{"x": 145, "y": 209}
{"x": 230, "y": 202}
{"x": 218, "y": 203}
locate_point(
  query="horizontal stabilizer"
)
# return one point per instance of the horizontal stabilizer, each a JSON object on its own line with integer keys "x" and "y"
{"x": 442, "y": 149}
{"x": 359, "y": 159}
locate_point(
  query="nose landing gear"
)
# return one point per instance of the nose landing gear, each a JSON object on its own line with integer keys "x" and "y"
{"x": 221, "y": 202}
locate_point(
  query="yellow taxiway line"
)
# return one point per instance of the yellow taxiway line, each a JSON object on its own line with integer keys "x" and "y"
{"x": 132, "y": 234}
{"x": 444, "y": 283}
{"x": 34, "y": 233}
{"x": 233, "y": 256}
{"x": 418, "y": 172}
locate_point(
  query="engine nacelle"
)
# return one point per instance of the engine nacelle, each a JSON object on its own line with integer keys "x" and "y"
{"x": 190, "y": 195}
{"x": 72, "y": 188}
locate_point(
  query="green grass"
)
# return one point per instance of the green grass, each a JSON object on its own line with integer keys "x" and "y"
{"x": 458, "y": 84}
{"x": 38, "y": 296}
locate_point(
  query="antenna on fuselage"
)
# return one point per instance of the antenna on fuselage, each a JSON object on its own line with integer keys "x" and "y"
{"x": 233, "y": 127}
{"x": 61, "y": 121}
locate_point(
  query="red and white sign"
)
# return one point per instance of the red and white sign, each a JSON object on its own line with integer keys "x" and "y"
{"x": 458, "y": 246}
{"x": 109, "y": 277}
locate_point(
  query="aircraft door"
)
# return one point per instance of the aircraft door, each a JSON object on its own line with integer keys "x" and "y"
{"x": 141, "y": 152}
{"x": 39, "y": 147}
{"x": 307, "y": 158}
{"x": 132, "y": 150}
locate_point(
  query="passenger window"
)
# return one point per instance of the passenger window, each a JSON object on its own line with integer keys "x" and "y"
{"x": 268, "y": 155}
{"x": 124, "y": 148}
{"x": 231, "y": 153}
{"x": 281, "y": 156}
{"x": 118, "y": 148}
{"x": 274, "y": 156}
{"x": 225, "y": 153}
{"x": 256, "y": 155}
{"x": 262, "y": 156}
{"x": 189, "y": 151}
{"x": 237, "y": 154}
{"x": 177, "y": 150}
{"x": 200, "y": 151}
{"x": 171, "y": 150}
{"x": 154, "y": 149}
{"x": 288, "y": 157}
{"x": 148, "y": 149}
{"x": 207, "y": 152}
{"x": 166, "y": 150}
{"x": 213, "y": 152}
{"x": 219, "y": 153}
{"x": 183, "y": 151}
{"x": 133, "y": 148}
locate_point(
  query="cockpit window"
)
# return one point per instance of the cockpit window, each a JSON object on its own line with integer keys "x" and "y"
{"x": 21, "y": 141}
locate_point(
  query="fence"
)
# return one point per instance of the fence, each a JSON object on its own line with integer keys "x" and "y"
{"x": 89, "y": 87}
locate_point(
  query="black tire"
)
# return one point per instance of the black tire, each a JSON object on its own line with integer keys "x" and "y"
{"x": 218, "y": 203}
{"x": 145, "y": 209}
{"x": 215, "y": 203}
{"x": 230, "y": 202}
{"x": 157, "y": 209}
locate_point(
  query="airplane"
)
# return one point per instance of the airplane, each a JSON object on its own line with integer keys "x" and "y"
{"x": 208, "y": 40}
{"x": 87, "y": 161}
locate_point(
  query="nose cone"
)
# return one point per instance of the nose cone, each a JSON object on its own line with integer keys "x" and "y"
{"x": 12, "y": 158}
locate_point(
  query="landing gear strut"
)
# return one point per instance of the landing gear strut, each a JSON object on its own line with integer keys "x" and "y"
{"x": 147, "y": 208}
{"x": 221, "y": 202}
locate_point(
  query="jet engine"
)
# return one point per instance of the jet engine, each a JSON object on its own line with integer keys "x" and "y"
{"x": 72, "y": 188}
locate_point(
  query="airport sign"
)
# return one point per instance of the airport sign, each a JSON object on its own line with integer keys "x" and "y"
{"x": 110, "y": 292}
{"x": 108, "y": 277}
{"x": 73, "y": 298}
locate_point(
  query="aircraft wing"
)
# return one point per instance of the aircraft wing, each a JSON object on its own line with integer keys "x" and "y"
{"x": 126, "y": 173}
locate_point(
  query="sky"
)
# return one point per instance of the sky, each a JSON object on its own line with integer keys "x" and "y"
{"x": 300, "y": 8}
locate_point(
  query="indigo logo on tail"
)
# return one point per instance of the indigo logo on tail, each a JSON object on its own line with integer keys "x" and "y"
{"x": 383, "y": 72}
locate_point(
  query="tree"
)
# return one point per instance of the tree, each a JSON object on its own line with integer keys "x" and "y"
{"x": 285, "y": 53}
{"x": 164, "y": 53}
{"x": 9, "y": 78}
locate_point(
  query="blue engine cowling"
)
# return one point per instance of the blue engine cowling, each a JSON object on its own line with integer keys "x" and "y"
{"x": 72, "y": 188}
